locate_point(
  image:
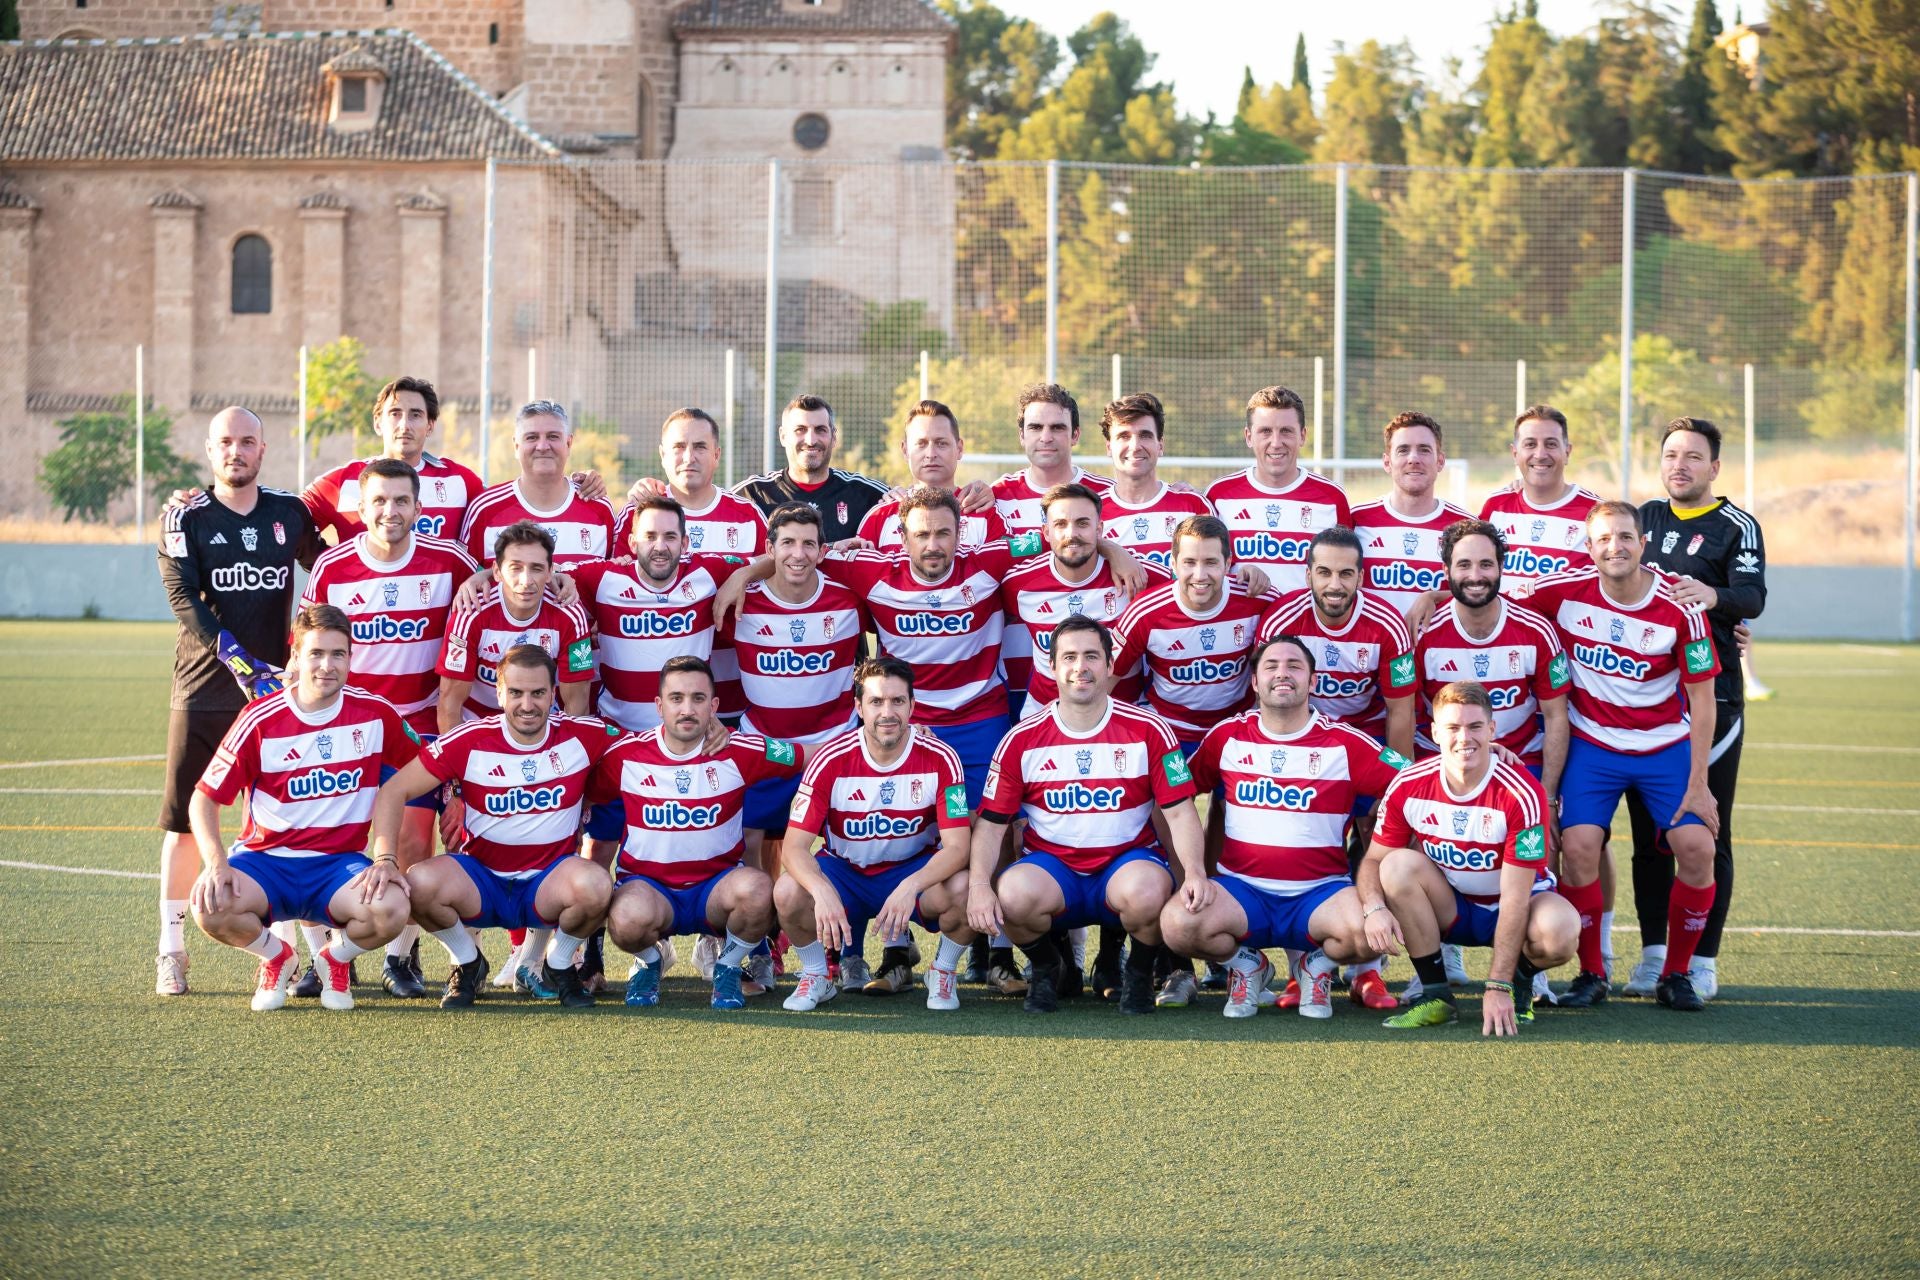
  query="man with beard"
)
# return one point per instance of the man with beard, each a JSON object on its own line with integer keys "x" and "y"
{"x": 843, "y": 498}
{"x": 226, "y": 561}
{"x": 1288, "y": 778}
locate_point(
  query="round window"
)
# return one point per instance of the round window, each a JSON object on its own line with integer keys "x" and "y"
{"x": 810, "y": 131}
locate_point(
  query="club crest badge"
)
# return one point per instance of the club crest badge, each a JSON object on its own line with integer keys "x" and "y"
{"x": 913, "y": 791}
{"x": 1693, "y": 543}
{"x": 733, "y": 536}
{"x": 1460, "y": 819}
{"x": 1139, "y": 528}
{"x": 841, "y": 511}
{"x": 683, "y": 781}
{"x": 529, "y": 770}
{"x": 390, "y": 594}
{"x": 553, "y": 758}
{"x": 1616, "y": 630}
{"x": 1273, "y": 515}
{"x": 279, "y": 534}
{"x": 1119, "y": 759}
{"x": 1277, "y": 762}
{"x": 697, "y": 536}
{"x": 1208, "y": 638}
{"x": 1668, "y": 543}
{"x": 826, "y": 627}
{"x": 1481, "y": 665}
{"x": 325, "y": 743}
{"x": 1330, "y": 656}
{"x": 797, "y": 628}
{"x": 426, "y": 591}
{"x": 1313, "y": 764}
{"x": 1083, "y": 761}
{"x": 359, "y": 741}
{"x": 1076, "y": 603}
{"x": 713, "y": 778}
{"x": 1539, "y": 529}
{"x": 887, "y": 791}
{"x": 1513, "y": 662}
{"x": 1409, "y": 542}
{"x": 250, "y": 538}
{"x": 440, "y": 491}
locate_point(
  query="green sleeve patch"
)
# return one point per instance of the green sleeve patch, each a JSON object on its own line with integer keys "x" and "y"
{"x": 410, "y": 732}
{"x": 957, "y": 800}
{"x": 580, "y": 655}
{"x": 1531, "y": 845}
{"x": 1174, "y": 763}
{"x": 1557, "y": 671}
{"x": 1400, "y": 671}
{"x": 1699, "y": 657}
{"x": 612, "y": 730}
{"x": 779, "y": 752}
{"x": 1388, "y": 756}
{"x": 1023, "y": 544}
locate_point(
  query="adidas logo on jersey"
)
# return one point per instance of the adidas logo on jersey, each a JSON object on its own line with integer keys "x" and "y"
{"x": 496, "y": 772}
{"x": 217, "y": 540}
{"x": 292, "y": 755}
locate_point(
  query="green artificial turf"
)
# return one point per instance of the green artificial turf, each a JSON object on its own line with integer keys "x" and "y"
{"x": 1775, "y": 1134}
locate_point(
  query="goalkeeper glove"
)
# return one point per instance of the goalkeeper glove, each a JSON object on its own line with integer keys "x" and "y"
{"x": 255, "y": 677}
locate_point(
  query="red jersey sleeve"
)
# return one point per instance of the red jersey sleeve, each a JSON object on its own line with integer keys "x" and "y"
{"x": 1205, "y": 765}
{"x": 234, "y": 766}
{"x": 721, "y": 568}
{"x": 1172, "y": 779}
{"x": 1526, "y": 844}
{"x": 1001, "y": 798}
{"x": 457, "y": 661}
{"x": 1343, "y": 509}
{"x": 603, "y": 784}
{"x": 859, "y": 571}
{"x": 1373, "y": 767}
{"x": 399, "y": 744}
{"x": 1392, "y": 829}
{"x": 586, "y": 578}
{"x": 872, "y": 523}
{"x": 809, "y": 811}
{"x": 1551, "y": 673}
{"x": 446, "y": 757}
{"x": 322, "y": 499}
{"x": 1398, "y": 675}
{"x": 761, "y": 759}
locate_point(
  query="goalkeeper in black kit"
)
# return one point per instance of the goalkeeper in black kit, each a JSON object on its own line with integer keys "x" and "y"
{"x": 226, "y": 559}
{"x": 1716, "y": 553}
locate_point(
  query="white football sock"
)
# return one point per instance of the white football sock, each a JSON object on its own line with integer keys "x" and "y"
{"x": 1317, "y": 964}
{"x": 813, "y": 957}
{"x": 651, "y": 956}
{"x": 173, "y": 925}
{"x": 317, "y": 936}
{"x": 735, "y": 952}
{"x": 1606, "y": 937}
{"x": 402, "y": 946}
{"x": 288, "y": 931}
{"x": 343, "y": 948}
{"x": 1246, "y": 960}
{"x": 266, "y": 946}
{"x": 947, "y": 955}
{"x": 561, "y": 951}
{"x": 533, "y": 946}
{"x": 459, "y": 944}
{"x": 1078, "y": 937}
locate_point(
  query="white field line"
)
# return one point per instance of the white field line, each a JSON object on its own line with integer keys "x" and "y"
{"x": 1812, "y": 808}
{"x": 132, "y": 791}
{"x": 1876, "y": 649}
{"x": 1832, "y": 746}
{"x": 1619, "y": 928}
{"x": 54, "y": 764}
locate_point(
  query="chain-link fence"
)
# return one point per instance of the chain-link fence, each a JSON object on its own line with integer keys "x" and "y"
{"x": 1783, "y": 310}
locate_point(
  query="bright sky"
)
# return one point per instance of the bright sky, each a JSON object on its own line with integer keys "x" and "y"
{"x": 1203, "y": 44}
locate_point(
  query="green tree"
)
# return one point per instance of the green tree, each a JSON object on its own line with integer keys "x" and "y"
{"x": 1565, "y": 116}
{"x": 1694, "y": 94}
{"x": 1668, "y": 380}
{"x": 1105, "y": 110}
{"x": 1639, "y": 75}
{"x": 1517, "y": 52}
{"x": 339, "y": 391}
{"x": 93, "y": 463}
{"x": 1000, "y": 69}
{"x": 1301, "y": 78}
{"x": 1372, "y": 96}
{"x": 9, "y": 19}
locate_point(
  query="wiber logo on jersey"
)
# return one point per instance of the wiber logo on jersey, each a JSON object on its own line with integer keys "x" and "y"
{"x": 1269, "y": 549}
{"x": 933, "y": 624}
{"x": 382, "y": 629}
{"x": 1081, "y": 798}
{"x": 323, "y": 782}
{"x": 1526, "y": 562}
{"x": 670, "y": 816}
{"x": 505, "y": 804}
{"x": 881, "y": 826}
{"x": 251, "y": 577}
{"x": 1454, "y": 858}
{"x": 785, "y": 662}
{"x": 1398, "y": 575}
{"x": 1206, "y": 671}
{"x": 1604, "y": 660}
{"x": 1265, "y": 793}
{"x": 652, "y": 626}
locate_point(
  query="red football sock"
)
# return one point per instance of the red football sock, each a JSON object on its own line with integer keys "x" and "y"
{"x": 1687, "y": 908}
{"x": 516, "y": 937}
{"x": 1589, "y": 901}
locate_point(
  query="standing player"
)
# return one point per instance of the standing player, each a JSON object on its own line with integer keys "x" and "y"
{"x": 404, "y": 416}
{"x": 1275, "y": 507}
{"x": 1088, "y": 774}
{"x": 308, "y": 760}
{"x": 1287, "y": 778}
{"x": 522, "y": 775}
{"x": 514, "y": 610}
{"x": 680, "y": 867}
{"x": 717, "y": 521}
{"x": 1719, "y": 560}
{"x": 1642, "y": 716}
{"x": 1049, "y": 426}
{"x": 544, "y": 493}
{"x": 892, "y": 804}
{"x": 933, "y": 449}
{"x": 1401, "y": 532}
{"x": 1142, "y": 510}
{"x": 1364, "y": 676}
{"x": 842, "y": 498}
{"x": 396, "y": 587}
{"x": 226, "y": 561}
{"x": 1460, "y": 853}
{"x": 1544, "y": 519}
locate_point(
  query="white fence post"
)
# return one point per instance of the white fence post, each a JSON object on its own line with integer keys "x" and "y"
{"x": 1053, "y": 271}
{"x": 140, "y": 442}
{"x": 1626, "y": 335}
{"x": 771, "y": 356}
{"x": 1340, "y": 311}
{"x": 731, "y": 380}
{"x": 926, "y": 381}
{"x": 1748, "y": 456}
{"x": 1117, "y": 392}
{"x": 486, "y": 334}
{"x": 1319, "y": 398}
{"x": 300, "y": 427}
{"x": 533, "y": 370}
{"x": 1519, "y": 387}
{"x": 1913, "y": 403}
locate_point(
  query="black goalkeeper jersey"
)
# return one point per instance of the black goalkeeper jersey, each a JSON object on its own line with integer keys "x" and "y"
{"x": 1721, "y": 547}
{"x": 843, "y": 500}
{"x": 227, "y": 571}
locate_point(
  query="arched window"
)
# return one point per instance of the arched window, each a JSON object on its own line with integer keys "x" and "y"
{"x": 252, "y": 276}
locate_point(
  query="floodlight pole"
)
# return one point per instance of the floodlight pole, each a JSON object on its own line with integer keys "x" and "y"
{"x": 1340, "y": 311}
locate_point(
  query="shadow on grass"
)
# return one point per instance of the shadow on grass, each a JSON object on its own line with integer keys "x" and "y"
{"x": 1751, "y": 1015}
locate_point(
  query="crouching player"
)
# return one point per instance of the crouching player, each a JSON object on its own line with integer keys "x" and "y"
{"x": 308, "y": 759}
{"x": 1288, "y": 777}
{"x": 522, "y": 777}
{"x": 1087, "y": 773}
{"x": 679, "y": 868}
{"x": 1460, "y": 856}
{"x": 892, "y": 802}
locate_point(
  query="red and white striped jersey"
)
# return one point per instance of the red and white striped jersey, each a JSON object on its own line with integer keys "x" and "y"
{"x": 1147, "y": 529}
{"x": 1193, "y": 666}
{"x": 399, "y": 612}
{"x": 683, "y": 812}
{"x": 582, "y": 528}
{"x": 797, "y": 660}
{"x": 877, "y": 816}
{"x": 1037, "y": 599}
{"x": 729, "y": 526}
{"x": 1402, "y": 552}
{"x": 1540, "y": 540}
{"x": 883, "y": 529}
{"x": 446, "y": 488}
{"x": 1629, "y": 661}
{"x": 1499, "y": 820}
{"x": 479, "y": 637}
{"x": 1521, "y": 664}
{"x": 1358, "y": 665}
{"x": 641, "y": 627}
{"x": 1274, "y": 527}
{"x": 1018, "y": 502}
{"x": 949, "y": 631}
{"x": 309, "y": 777}
{"x": 522, "y": 803}
{"x": 1288, "y": 797}
{"x": 1087, "y": 797}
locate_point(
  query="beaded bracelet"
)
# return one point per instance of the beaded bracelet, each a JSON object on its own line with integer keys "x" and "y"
{"x": 1494, "y": 984}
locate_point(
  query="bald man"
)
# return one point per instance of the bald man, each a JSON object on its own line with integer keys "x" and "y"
{"x": 226, "y": 559}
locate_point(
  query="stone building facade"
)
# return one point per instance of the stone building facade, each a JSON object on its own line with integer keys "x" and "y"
{"x": 154, "y": 155}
